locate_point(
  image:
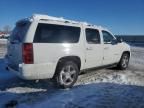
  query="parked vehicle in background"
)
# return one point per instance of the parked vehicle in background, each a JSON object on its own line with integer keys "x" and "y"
{"x": 43, "y": 47}
{"x": 4, "y": 35}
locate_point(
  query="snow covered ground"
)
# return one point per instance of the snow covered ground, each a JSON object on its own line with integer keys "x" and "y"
{"x": 105, "y": 88}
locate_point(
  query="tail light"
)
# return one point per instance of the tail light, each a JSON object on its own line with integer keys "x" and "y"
{"x": 27, "y": 53}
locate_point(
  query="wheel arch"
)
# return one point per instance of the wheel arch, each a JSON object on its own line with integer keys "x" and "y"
{"x": 128, "y": 52}
{"x": 123, "y": 53}
{"x": 75, "y": 59}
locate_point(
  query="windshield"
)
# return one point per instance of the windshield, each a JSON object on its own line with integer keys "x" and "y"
{"x": 19, "y": 31}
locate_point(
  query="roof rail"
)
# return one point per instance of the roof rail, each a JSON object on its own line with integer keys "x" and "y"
{"x": 60, "y": 19}
{"x": 46, "y": 17}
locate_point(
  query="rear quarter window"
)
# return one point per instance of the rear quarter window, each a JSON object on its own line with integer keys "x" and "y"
{"x": 19, "y": 31}
{"x": 49, "y": 33}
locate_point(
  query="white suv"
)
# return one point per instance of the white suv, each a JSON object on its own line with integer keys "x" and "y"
{"x": 43, "y": 47}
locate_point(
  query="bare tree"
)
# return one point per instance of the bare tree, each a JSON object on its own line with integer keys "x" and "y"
{"x": 7, "y": 29}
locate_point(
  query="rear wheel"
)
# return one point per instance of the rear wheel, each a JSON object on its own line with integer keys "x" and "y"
{"x": 124, "y": 61}
{"x": 67, "y": 74}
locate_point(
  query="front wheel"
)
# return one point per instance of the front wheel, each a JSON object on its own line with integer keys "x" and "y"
{"x": 124, "y": 61}
{"x": 67, "y": 74}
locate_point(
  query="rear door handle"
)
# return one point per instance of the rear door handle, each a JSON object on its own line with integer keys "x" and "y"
{"x": 89, "y": 48}
{"x": 106, "y": 48}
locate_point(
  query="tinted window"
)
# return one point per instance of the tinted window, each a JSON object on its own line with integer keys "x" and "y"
{"x": 20, "y": 31}
{"x": 107, "y": 37}
{"x": 92, "y": 36}
{"x": 49, "y": 33}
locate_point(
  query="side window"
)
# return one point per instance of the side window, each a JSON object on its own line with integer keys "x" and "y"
{"x": 107, "y": 37}
{"x": 50, "y": 33}
{"x": 20, "y": 31}
{"x": 92, "y": 36}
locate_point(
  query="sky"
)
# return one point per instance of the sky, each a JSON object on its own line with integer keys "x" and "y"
{"x": 119, "y": 16}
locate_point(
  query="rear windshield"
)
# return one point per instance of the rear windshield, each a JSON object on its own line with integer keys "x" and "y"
{"x": 49, "y": 33}
{"x": 19, "y": 31}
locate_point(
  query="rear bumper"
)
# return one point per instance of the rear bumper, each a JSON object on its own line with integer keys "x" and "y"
{"x": 34, "y": 71}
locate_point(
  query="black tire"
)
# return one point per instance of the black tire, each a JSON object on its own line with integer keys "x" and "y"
{"x": 124, "y": 61}
{"x": 66, "y": 74}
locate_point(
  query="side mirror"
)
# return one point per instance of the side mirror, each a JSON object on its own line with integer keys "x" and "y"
{"x": 119, "y": 40}
{"x": 114, "y": 41}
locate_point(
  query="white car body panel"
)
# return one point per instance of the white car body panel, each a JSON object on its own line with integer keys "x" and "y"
{"x": 47, "y": 55}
